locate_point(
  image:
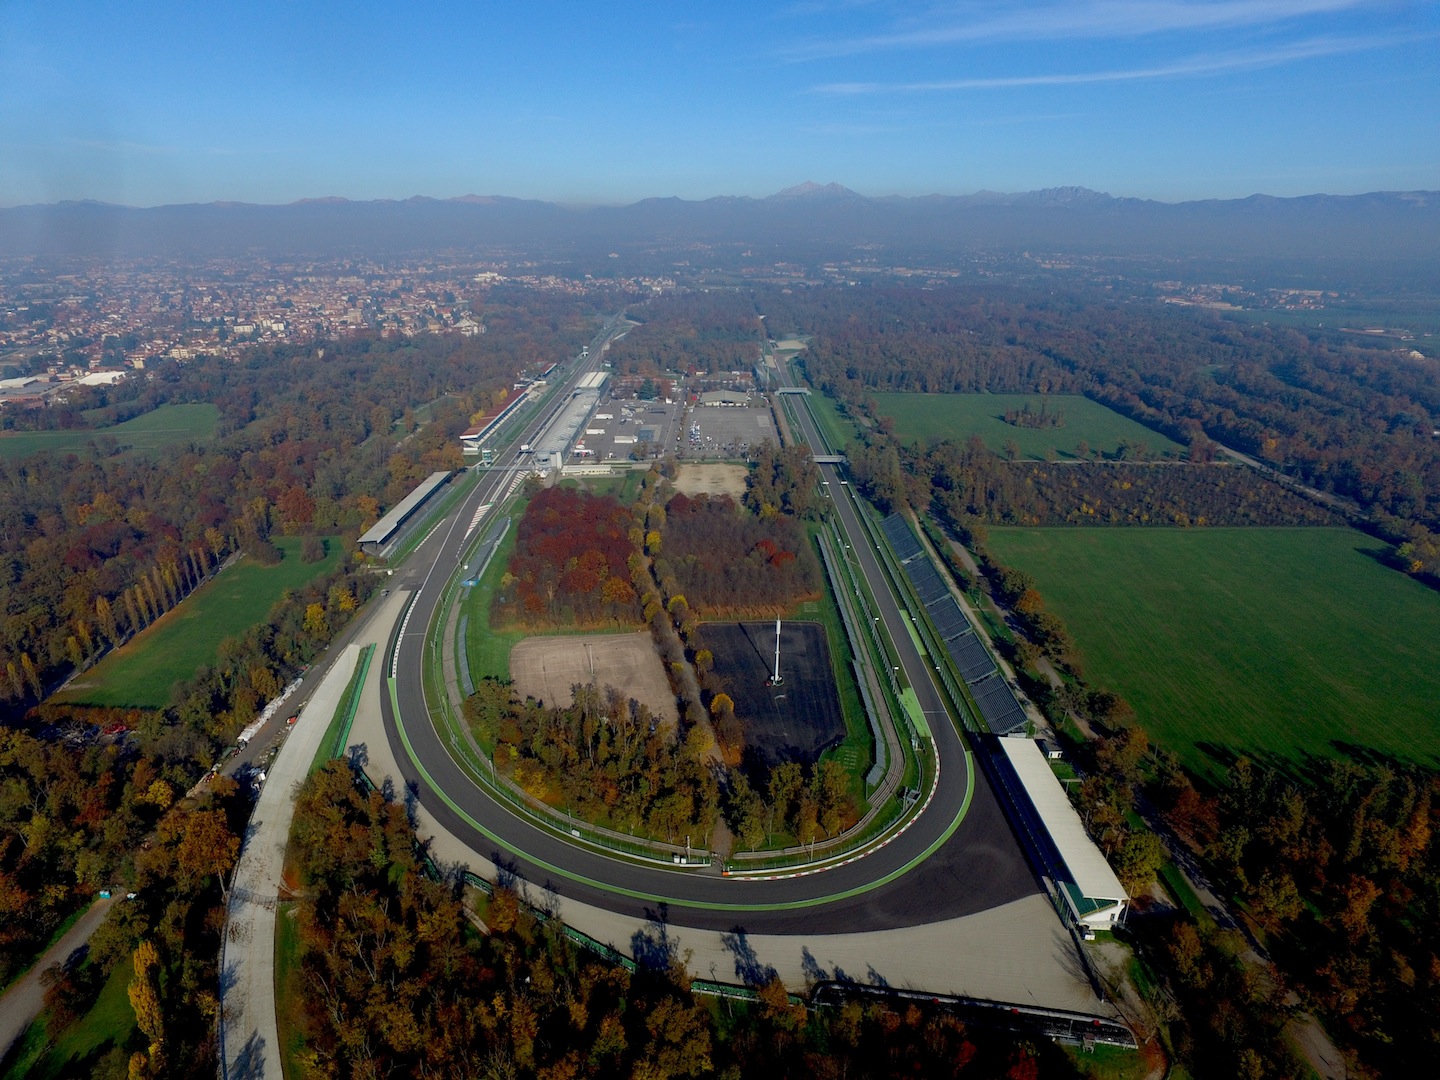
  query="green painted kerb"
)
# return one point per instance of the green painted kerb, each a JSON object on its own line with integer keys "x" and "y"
{"x": 916, "y": 714}
{"x": 701, "y": 905}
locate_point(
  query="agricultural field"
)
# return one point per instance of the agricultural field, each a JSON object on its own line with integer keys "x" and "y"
{"x": 958, "y": 416}
{"x": 141, "y": 673}
{"x": 1282, "y": 643}
{"x": 169, "y": 425}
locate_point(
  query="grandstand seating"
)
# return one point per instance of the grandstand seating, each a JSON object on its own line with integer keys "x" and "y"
{"x": 999, "y": 708}
{"x": 971, "y": 658}
{"x": 997, "y": 703}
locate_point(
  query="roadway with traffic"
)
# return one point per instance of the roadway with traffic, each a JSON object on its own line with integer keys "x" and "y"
{"x": 959, "y": 857}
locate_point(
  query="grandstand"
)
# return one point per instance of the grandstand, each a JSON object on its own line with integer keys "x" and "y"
{"x": 902, "y": 540}
{"x": 972, "y": 660}
{"x": 387, "y": 533}
{"x": 1091, "y": 892}
{"x": 999, "y": 708}
{"x": 1002, "y": 712}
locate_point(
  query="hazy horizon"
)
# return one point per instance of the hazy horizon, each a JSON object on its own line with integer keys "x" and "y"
{"x": 582, "y": 204}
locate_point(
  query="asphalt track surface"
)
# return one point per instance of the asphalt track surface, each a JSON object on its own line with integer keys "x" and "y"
{"x": 957, "y": 858}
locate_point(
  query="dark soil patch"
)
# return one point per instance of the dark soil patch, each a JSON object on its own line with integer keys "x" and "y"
{"x": 799, "y": 719}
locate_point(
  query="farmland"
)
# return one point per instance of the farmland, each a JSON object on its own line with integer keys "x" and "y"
{"x": 142, "y": 671}
{"x": 958, "y": 416}
{"x": 1283, "y": 642}
{"x": 169, "y": 425}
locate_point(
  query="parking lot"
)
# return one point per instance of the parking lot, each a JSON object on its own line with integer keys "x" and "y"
{"x": 726, "y": 431}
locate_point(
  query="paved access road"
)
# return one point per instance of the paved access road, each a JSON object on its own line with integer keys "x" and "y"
{"x": 22, "y": 1002}
{"x": 959, "y": 857}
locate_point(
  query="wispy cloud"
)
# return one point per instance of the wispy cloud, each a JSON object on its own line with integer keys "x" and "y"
{"x": 1112, "y": 19}
{"x": 120, "y": 146}
{"x": 1191, "y": 67}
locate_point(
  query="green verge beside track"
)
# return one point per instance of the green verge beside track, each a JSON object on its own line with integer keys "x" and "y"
{"x": 560, "y": 871}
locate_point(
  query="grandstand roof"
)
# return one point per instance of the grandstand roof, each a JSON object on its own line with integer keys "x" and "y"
{"x": 381, "y": 530}
{"x": 1091, "y": 873}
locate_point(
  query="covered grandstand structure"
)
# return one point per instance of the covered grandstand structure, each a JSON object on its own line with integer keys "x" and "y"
{"x": 387, "y": 533}
{"x": 1092, "y": 894}
{"x": 472, "y": 439}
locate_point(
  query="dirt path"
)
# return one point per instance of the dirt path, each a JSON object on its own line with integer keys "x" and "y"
{"x": 23, "y": 1001}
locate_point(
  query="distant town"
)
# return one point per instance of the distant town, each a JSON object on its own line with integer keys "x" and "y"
{"x": 88, "y": 321}
{"x": 91, "y": 323}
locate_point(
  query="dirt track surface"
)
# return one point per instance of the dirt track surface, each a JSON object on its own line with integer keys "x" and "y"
{"x": 546, "y": 668}
{"x": 711, "y": 480}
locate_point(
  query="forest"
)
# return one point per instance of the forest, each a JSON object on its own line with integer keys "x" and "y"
{"x": 404, "y": 974}
{"x": 728, "y": 562}
{"x": 700, "y": 333}
{"x": 965, "y": 481}
{"x": 98, "y": 544}
{"x": 603, "y": 758}
{"x": 784, "y": 480}
{"x": 571, "y": 565}
{"x": 102, "y": 814}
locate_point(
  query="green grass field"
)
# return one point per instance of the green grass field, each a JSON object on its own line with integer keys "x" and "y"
{"x": 1284, "y": 642}
{"x": 958, "y": 416}
{"x": 488, "y": 650}
{"x": 142, "y": 672}
{"x": 107, "y": 1031}
{"x": 168, "y": 425}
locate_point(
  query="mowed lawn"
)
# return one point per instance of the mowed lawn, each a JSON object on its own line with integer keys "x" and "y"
{"x": 142, "y": 672}
{"x": 168, "y": 425}
{"x": 1262, "y": 641}
{"x": 958, "y": 416}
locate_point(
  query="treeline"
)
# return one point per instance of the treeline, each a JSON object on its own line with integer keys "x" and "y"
{"x": 571, "y": 563}
{"x": 167, "y": 938}
{"x": 1338, "y": 414}
{"x": 698, "y": 333}
{"x": 726, "y": 561}
{"x": 1038, "y": 419}
{"x": 784, "y": 481}
{"x": 803, "y": 804}
{"x": 967, "y": 482}
{"x": 604, "y": 758}
{"x": 395, "y": 981}
{"x": 308, "y": 444}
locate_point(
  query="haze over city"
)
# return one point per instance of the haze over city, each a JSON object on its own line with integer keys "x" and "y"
{"x": 1166, "y": 99}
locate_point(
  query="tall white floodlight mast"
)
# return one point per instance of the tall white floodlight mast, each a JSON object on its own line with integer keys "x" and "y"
{"x": 775, "y": 679}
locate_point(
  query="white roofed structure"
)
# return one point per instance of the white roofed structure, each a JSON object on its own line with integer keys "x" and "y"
{"x": 1092, "y": 892}
{"x": 380, "y": 537}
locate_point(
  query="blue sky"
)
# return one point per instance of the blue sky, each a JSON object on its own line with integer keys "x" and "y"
{"x": 148, "y": 103}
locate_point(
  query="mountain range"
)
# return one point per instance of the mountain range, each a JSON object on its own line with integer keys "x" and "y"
{"x": 807, "y": 221}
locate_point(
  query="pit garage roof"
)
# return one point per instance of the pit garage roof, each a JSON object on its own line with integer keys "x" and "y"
{"x": 1091, "y": 873}
{"x": 381, "y": 530}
